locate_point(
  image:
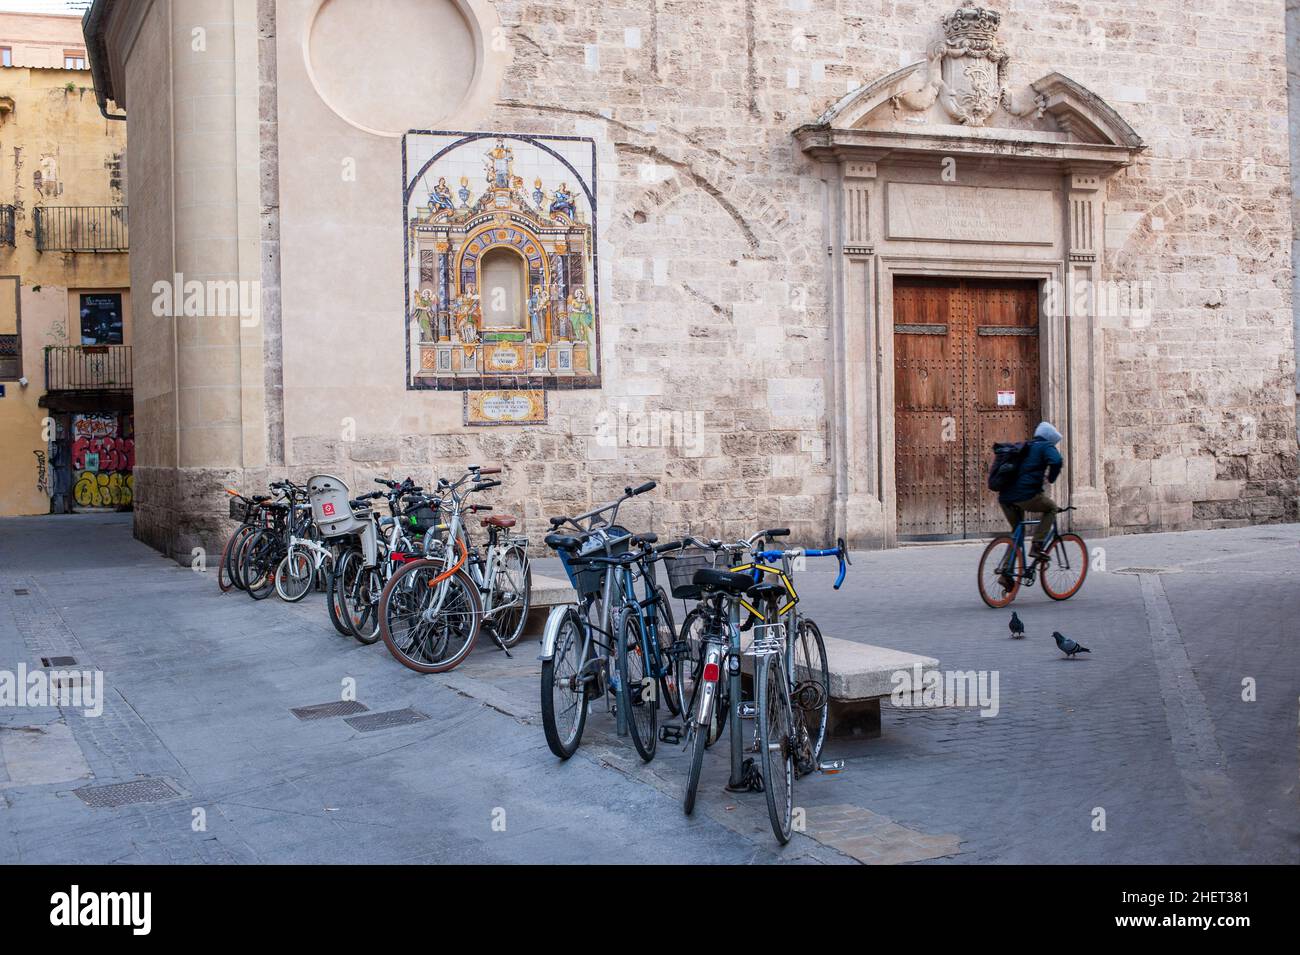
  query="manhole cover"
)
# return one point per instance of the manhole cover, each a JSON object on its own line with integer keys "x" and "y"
{"x": 58, "y": 661}
{"x": 125, "y": 794}
{"x": 321, "y": 711}
{"x": 382, "y": 721}
{"x": 1147, "y": 570}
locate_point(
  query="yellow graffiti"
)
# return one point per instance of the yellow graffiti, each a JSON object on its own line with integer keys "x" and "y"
{"x": 104, "y": 490}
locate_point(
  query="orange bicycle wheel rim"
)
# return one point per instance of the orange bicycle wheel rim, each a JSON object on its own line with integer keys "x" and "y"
{"x": 991, "y": 591}
{"x": 1075, "y": 553}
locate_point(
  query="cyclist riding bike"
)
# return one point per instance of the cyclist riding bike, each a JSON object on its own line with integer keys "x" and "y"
{"x": 1041, "y": 463}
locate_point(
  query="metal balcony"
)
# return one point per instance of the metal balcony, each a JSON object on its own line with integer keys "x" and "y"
{"x": 86, "y": 368}
{"x": 80, "y": 228}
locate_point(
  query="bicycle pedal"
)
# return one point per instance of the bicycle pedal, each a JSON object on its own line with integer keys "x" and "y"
{"x": 670, "y": 734}
{"x": 830, "y": 766}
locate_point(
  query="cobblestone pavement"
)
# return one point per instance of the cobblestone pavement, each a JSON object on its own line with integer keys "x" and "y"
{"x": 1151, "y": 728}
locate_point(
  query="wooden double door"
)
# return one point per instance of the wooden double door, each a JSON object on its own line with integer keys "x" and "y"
{"x": 966, "y": 374}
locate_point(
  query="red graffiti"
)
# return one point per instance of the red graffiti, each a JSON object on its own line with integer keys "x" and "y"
{"x": 115, "y": 454}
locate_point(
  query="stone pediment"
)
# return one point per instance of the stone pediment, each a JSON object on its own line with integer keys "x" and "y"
{"x": 959, "y": 101}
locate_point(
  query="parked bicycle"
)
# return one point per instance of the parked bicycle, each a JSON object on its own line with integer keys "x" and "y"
{"x": 371, "y": 545}
{"x": 432, "y": 609}
{"x": 791, "y": 680}
{"x": 580, "y": 645}
{"x": 1005, "y": 565}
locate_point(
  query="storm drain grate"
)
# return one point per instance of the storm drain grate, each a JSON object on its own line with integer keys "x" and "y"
{"x": 58, "y": 661}
{"x": 21, "y": 591}
{"x": 382, "y": 721}
{"x": 322, "y": 711}
{"x": 1147, "y": 570}
{"x": 114, "y": 795}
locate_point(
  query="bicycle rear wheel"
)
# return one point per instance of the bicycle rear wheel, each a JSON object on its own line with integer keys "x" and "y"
{"x": 638, "y": 690}
{"x": 429, "y": 627}
{"x": 1065, "y": 568}
{"x": 775, "y": 743}
{"x": 1000, "y": 554}
{"x": 512, "y": 592}
{"x": 564, "y": 692}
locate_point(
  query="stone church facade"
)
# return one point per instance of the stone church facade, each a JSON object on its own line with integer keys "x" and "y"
{"x": 800, "y": 261}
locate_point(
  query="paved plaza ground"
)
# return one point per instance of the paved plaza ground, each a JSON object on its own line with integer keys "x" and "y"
{"x": 1151, "y": 728}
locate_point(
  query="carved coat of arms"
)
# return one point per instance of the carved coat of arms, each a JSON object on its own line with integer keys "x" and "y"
{"x": 967, "y": 71}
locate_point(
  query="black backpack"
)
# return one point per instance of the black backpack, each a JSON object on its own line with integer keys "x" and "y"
{"x": 1007, "y": 459}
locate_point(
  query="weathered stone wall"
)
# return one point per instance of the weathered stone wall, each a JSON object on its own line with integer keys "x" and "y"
{"x": 713, "y": 275}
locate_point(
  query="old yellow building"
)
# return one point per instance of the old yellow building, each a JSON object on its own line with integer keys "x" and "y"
{"x": 66, "y": 423}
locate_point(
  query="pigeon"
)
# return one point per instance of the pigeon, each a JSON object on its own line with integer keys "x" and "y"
{"x": 1017, "y": 628}
{"x": 1068, "y": 646}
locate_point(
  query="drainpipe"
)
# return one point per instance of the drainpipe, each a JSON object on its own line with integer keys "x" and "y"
{"x": 91, "y": 24}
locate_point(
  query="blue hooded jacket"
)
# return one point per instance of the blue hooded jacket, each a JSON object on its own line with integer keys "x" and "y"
{"x": 1041, "y": 461}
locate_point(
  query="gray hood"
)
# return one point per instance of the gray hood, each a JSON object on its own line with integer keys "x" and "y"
{"x": 1047, "y": 433}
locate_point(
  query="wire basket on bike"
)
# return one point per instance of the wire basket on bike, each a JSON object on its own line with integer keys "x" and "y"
{"x": 682, "y": 565}
{"x": 587, "y": 577}
{"x": 239, "y": 509}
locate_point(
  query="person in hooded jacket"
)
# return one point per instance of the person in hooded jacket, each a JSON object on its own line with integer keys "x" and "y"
{"x": 1041, "y": 463}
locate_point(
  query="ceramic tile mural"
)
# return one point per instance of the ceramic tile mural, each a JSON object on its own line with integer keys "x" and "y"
{"x": 501, "y": 278}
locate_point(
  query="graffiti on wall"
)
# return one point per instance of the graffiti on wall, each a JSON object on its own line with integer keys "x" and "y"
{"x": 103, "y": 457}
{"x": 501, "y": 271}
{"x": 42, "y": 472}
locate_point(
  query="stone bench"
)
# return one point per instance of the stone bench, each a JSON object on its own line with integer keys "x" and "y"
{"x": 861, "y": 676}
{"x": 547, "y": 592}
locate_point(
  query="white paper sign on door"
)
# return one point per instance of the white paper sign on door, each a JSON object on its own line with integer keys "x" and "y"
{"x": 1006, "y": 398}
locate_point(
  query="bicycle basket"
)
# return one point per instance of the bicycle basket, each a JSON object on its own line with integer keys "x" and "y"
{"x": 588, "y": 578}
{"x": 239, "y": 509}
{"x": 682, "y": 565}
{"x": 422, "y": 519}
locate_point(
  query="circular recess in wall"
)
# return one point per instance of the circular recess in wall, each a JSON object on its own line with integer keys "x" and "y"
{"x": 415, "y": 65}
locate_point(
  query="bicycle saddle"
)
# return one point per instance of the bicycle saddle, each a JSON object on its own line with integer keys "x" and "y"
{"x": 645, "y": 538}
{"x": 562, "y": 541}
{"x": 499, "y": 520}
{"x": 766, "y": 589}
{"x": 723, "y": 580}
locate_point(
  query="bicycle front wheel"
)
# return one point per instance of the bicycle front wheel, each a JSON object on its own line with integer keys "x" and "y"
{"x": 564, "y": 691}
{"x": 260, "y": 559}
{"x": 638, "y": 690}
{"x": 1066, "y": 567}
{"x": 429, "y": 627}
{"x": 776, "y": 743}
{"x": 294, "y": 576}
{"x": 811, "y": 696}
{"x": 672, "y": 684}
{"x": 334, "y": 602}
{"x": 225, "y": 571}
{"x": 1001, "y": 563}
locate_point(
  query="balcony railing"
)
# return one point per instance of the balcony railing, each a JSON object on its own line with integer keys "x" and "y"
{"x": 80, "y": 228}
{"x": 88, "y": 368}
{"x": 7, "y": 225}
